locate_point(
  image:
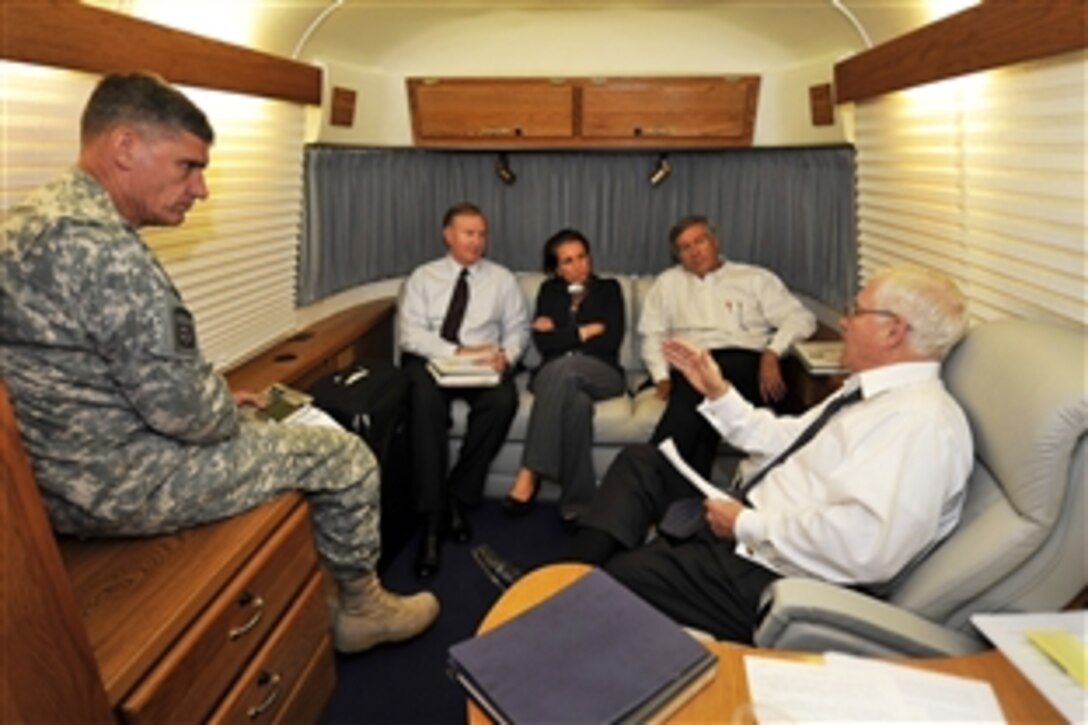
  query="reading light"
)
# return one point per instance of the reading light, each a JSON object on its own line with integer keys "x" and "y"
{"x": 661, "y": 171}
{"x": 504, "y": 172}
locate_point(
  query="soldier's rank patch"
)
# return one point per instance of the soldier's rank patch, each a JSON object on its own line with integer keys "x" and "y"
{"x": 184, "y": 331}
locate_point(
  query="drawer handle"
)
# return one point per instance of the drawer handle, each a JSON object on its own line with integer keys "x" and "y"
{"x": 265, "y": 679}
{"x": 255, "y": 602}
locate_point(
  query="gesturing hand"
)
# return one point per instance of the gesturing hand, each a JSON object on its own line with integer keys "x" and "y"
{"x": 697, "y": 366}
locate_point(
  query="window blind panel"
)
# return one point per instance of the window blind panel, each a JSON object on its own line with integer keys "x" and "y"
{"x": 1029, "y": 275}
{"x": 42, "y": 125}
{"x": 1049, "y": 204}
{"x": 234, "y": 260}
{"x": 984, "y": 177}
{"x": 916, "y": 236}
{"x": 995, "y": 295}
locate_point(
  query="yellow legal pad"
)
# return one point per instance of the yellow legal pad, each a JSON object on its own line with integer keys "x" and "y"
{"x": 1065, "y": 648}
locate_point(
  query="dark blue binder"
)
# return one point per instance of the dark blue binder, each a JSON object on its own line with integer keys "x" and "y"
{"x": 592, "y": 653}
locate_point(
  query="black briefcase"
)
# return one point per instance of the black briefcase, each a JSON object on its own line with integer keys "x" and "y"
{"x": 371, "y": 399}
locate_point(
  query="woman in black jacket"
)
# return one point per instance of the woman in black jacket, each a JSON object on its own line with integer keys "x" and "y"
{"x": 578, "y": 327}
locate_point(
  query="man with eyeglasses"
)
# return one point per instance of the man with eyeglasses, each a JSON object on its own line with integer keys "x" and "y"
{"x": 854, "y": 491}
{"x": 742, "y": 313}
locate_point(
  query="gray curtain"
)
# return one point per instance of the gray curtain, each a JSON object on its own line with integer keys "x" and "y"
{"x": 372, "y": 214}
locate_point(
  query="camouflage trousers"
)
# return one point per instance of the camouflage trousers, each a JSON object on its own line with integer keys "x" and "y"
{"x": 176, "y": 486}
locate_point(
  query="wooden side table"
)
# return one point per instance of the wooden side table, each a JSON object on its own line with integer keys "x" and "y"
{"x": 726, "y": 698}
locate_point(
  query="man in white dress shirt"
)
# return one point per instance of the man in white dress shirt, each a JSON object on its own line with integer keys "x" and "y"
{"x": 492, "y": 323}
{"x": 875, "y": 488}
{"x": 742, "y": 313}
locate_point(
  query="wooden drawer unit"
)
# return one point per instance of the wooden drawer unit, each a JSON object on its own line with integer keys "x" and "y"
{"x": 315, "y": 685}
{"x": 278, "y": 672}
{"x": 213, "y": 650}
{"x": 174, "y": 620}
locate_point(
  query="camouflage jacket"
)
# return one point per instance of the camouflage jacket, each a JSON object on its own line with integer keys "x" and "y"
{"x": 98, "y": 349}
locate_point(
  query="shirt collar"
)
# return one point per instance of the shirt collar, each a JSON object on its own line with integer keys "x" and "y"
{"x": 888, "y": 377}
{"x": 456, "y": 267}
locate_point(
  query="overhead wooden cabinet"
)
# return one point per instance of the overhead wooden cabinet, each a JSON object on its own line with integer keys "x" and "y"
{"x": 714, "y": 110}
{"x": 505, "y": 113}
{"x": 490, "y": 109}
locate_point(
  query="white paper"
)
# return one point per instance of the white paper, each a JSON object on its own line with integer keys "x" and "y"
{"x": 475, "y": 377}
{"x": 1007, "y": 632}
{"x": 934, "y": 696}
{"x": 668, "y": 448}
{"x": 309, "y": 415}
{"x": 853, "y": 689}
{"x": 789, "y": 691}
{"x": 820, "y": 356}
{"x": 476, "y": 364}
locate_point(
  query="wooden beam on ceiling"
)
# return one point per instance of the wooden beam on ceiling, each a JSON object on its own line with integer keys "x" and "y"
{"x": 993, "y": 34}
{"x": 66, "y": 34}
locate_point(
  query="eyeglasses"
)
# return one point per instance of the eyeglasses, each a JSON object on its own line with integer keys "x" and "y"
{"x": 856, "y": 310}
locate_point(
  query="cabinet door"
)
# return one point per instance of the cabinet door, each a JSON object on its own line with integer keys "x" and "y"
{"x": 483, "y": 110}
{"x": 719, "y": 110}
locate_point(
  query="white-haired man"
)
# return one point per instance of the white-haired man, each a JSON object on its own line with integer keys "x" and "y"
{"x": 852, "y": 492}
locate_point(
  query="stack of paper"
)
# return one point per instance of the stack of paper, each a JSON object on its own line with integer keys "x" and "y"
{"x": 463, "y": 371}
{"x": 1050, "y": 649}
{"x": 592, "y": 653}
{"x": 854, "y": 689}
{"x": 820, "y": 356}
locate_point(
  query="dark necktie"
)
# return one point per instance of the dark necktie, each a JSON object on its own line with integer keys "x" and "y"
{"x": 455, "y": 313}
{"x": 742, "y": 490}
{"x": 685, "y": 517}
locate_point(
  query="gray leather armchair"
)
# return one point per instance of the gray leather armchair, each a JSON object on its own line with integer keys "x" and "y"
{"x": 1021, "y": 544}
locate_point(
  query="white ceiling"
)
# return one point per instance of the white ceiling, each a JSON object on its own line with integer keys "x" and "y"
{"x": 375, "y": 32}
{"x": 388, "y": 34}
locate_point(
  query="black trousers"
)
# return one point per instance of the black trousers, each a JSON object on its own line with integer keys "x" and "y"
{"x": 695, "y": 438}
{"x": 491, "y": 410}
{"x": 698, "y": 582}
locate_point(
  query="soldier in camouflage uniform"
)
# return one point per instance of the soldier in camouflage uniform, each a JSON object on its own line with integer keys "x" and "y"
{"x": 129, "y": 429}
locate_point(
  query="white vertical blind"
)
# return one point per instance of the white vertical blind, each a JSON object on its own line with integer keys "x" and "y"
{"x": 984, "y": 177}
{"x": 234, "y": 259}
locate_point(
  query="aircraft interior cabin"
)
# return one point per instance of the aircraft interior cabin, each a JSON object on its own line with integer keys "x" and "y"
{"x": 536, "y": 274}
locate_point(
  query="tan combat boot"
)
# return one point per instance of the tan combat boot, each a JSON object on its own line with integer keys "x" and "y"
{"x": 368, "y": 615}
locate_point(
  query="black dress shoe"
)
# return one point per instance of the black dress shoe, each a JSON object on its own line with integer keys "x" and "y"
{"x": 459, "y": 528}
{"x": 571, "y": 522}
{"x": 428, "y": 557}
{"x": 501, "y": 572}
{"x": 515, "y": 507}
